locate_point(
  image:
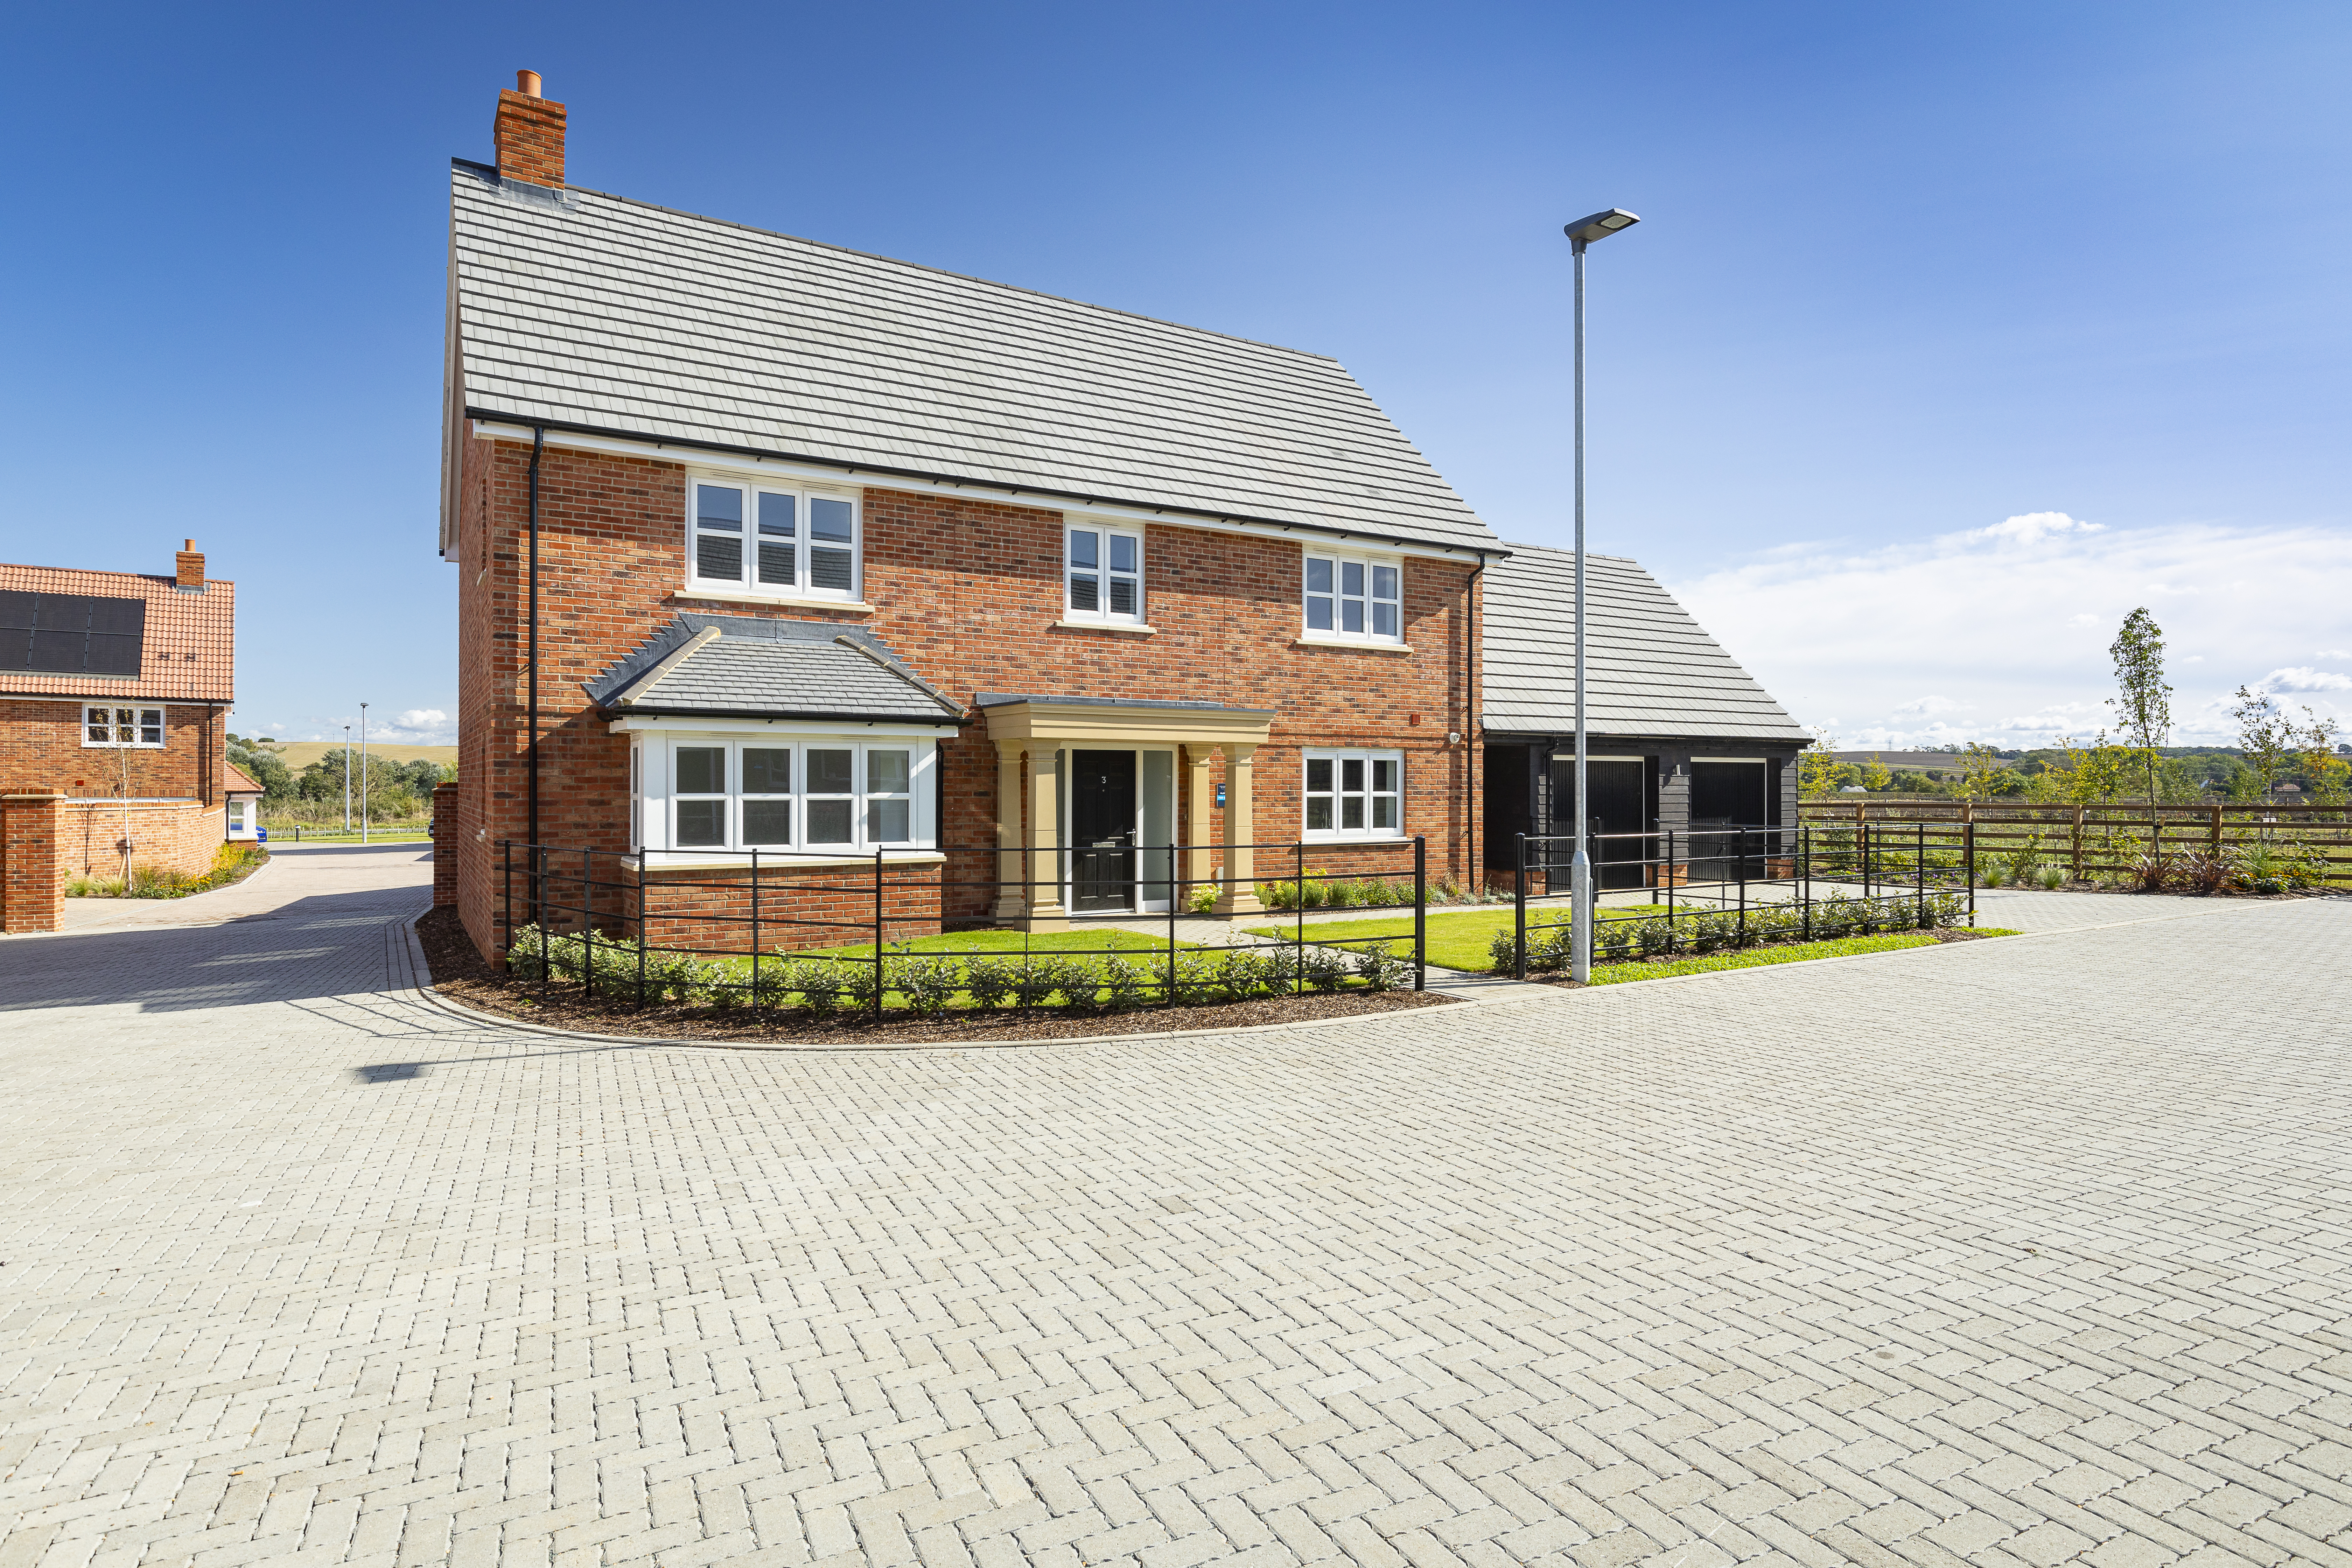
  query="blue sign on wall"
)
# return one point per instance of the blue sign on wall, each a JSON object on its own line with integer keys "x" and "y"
{"x": 1221, "y": 797}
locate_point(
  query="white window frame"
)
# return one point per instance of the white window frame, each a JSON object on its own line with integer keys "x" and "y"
{"x": 746, "y": 583}
{"x": 656, "y": 772}
{"x": 1103, "y": 574}
{"x": 1338, "y": 795}
{"x": 137, "y": 729}
{"x": 1335, "y": 600}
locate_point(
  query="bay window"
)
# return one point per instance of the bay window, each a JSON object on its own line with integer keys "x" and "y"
{"x": 1355, "y": 597}
{"x": 746, "y": 792}
{"x": 1353, "y": 795}
{"x": 770, "y": 541}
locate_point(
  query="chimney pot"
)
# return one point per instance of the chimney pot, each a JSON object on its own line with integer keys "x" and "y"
{"x": 527, "y": 133}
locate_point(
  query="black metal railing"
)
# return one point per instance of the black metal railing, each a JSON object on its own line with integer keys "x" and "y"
{"x": 623, "y": 923}
{"x": 1797, "y": 878}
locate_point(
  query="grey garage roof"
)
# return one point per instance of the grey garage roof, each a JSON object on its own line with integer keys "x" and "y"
{"x": 745, "y": 668}
{"x": 1654, "y": 670}
{"x": 594, "y": 313}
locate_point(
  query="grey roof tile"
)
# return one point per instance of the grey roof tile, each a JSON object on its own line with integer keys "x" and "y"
{"x": 759, "y": 669}
{"x": 1654, "y": 670}
{"x": 598, "y": 312}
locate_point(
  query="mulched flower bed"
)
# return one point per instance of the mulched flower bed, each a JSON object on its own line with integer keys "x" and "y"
{"x": 462, "y": 975}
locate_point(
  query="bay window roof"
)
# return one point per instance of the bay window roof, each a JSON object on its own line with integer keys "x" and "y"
{"x": 743, "y": 666}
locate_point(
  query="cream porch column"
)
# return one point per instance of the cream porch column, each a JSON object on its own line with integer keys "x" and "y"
{"x": 1200, "y": 856}
{"x": 1011, "y": 903}
{"x": 1239, "y": 896}
{"x": 1045, "y": 890}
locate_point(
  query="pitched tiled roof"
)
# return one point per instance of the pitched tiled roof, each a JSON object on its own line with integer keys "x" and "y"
{"x": 742, "y": 667}
{"x": 596, "y": 313}
{"x": 234, "y": 782}
{"x": 188, "y": 648}
{"x": 1654, "y": 670}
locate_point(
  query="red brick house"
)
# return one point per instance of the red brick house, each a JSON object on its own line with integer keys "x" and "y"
{"x": 115, "y": 690}
{"x": 829, "y": 556}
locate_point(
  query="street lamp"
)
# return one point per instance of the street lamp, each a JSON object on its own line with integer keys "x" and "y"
{"x": 363, "y": 773}
{"x": 1581, "y": 234}
{"x": 347, "y": 778}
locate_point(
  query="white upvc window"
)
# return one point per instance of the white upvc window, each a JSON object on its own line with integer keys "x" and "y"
{"x": 741, "y": 793}
{"x": 122, "y": 726}
{"x": 749, "y": 538}
{"x": 1359, "y": 597}
{"x": 1353, "y": 795}
{"x": 1103, "y": 573}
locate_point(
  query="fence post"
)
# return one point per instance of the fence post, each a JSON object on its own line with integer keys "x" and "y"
{"x": 538, "y": 909}
{"x": 641, "y": 924}
{"x": 755, "y": 930}
{"x": 879, "y": 976}
{"x": 1805, "y": 893}
{"x": 587, "y": 924}
{"x": 1861, "y": 848}
{"x": 1519, "y": 912}
{"x": 2213, "y": 833}
{"x": 1968, "y": 851}
{"x": 1919, "y": 875}
{"x": 1420, "y": 914}
{"x": 1299, "y": 918}
{"x": 1180, "y": 894}
{"x": 1671, "y": 945}
{"x": 2078, "y": 844}
{"x": 506, "y": 898}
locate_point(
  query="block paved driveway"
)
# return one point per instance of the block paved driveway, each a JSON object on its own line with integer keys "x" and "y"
{"x": 2027, "y": 1252}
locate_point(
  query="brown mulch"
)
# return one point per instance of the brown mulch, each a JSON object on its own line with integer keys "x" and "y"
{"x": 462, "y": 975}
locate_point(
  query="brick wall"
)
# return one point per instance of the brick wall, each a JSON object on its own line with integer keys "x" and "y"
{"x": 176, "y": 834}
{"x": 40, "y": 742}
{"x": 32, "y": 872}
{"x": 967, "y": 591}
{"x": 444, "y": 844}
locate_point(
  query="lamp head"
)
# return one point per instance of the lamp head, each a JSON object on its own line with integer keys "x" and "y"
{"x": 1599, "y": 225}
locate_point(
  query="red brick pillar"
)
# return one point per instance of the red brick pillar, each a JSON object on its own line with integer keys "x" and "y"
{"x": 32, "y": 869}
{"x": 445, "y": 844}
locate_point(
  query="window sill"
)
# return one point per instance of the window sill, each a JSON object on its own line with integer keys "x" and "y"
{"x": 797, "y": 601}
{"x": 1360, "y": 645}
{"x": 776, "y": 860}
{"x": 1311, "y": 835}
{"x": 1132, "y": 628}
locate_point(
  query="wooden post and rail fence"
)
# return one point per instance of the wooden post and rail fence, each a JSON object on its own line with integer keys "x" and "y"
{"x": 2096, "y": 840}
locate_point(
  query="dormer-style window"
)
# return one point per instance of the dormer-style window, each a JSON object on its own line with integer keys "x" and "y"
{"x": 1354, "y": 598}
{"x": 1104, "y": 572}
{"x": 754, "y": 541}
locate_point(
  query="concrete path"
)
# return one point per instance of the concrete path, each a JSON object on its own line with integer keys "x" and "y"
{"x": 2017, "y": 1253}
{"x": 326, "y": 872}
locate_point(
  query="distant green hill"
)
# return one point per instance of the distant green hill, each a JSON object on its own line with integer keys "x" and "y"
{"x": 300, "y": 754}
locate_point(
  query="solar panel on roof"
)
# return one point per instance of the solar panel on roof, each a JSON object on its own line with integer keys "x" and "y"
{"x": 70, "y": 634}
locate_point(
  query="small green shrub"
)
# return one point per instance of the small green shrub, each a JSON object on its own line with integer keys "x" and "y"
{"x": 927, "y": 984}
{"x": 1325, "y": 968}
{"x": 1242, "y": 976}
{"x": 1653, "y": 935}
{"x": 2051, "y": 878}
{"x": 989, "y": 980}
{"x": 1032, "y": 980}
{"x": 1202, "y": 899}
{"x": 1282, "y": 974}
{"x": 1612, "y": 940}
{"x": 1126, "y": 985}
{"x": 1503, "y": 949}
{"x": 1381, "y": 970}
{"x": 1192, "y": 982}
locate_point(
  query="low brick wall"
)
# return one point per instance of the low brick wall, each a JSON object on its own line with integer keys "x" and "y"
{"x": 176, "y": 834}
{"x": 713, "y": 911}
{"x": 32, "y": 869}
{"x": 444, "y": 844}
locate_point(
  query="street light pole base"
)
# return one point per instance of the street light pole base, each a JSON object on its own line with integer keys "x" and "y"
{"x": 1579, "y": 893}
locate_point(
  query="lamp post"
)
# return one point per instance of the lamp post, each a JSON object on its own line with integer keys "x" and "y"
{"x": 363, "y": 773}
{"x": 347, "y": 778}
{"x": 1581, "y": 234}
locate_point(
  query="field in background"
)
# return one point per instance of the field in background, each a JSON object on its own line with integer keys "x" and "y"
{"x": 300, "y": 754}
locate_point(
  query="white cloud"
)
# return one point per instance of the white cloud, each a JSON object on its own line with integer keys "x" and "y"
{"x": 2302, "y": 679}
{"x": 2014, "y": 620}
{"x": 2332, "y": 653}
{"x": 424, "y": 719}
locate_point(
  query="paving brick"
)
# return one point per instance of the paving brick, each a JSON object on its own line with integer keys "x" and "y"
{"x": 1600, "y": 1280}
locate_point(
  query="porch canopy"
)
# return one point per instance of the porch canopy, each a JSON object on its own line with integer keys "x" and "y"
{"x": 1033, "y": 859}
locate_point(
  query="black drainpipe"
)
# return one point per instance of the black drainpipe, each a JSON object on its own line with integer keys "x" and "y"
{"x": 1474, "y": 751}
{"x": 538, "y": 445}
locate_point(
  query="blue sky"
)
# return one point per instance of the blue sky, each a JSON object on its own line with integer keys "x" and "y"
{"x": 1905, "y": 273}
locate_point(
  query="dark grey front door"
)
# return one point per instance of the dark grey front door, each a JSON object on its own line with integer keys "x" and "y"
{"x": 1102, "y": 830}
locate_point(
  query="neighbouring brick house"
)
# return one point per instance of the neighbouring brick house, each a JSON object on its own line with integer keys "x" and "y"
{"x": 1679, "y": 739}
{"x": 115, "y": 689}
{"x": 829, "y": 557}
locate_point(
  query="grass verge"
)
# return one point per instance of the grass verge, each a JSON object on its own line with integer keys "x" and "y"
{"x": 1795, "y": 952}
{"x": 1460, "y": 940}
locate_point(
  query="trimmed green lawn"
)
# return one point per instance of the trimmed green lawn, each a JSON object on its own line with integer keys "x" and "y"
{"x": 1750, "y": 957}
{"x": 1459, "y": 940}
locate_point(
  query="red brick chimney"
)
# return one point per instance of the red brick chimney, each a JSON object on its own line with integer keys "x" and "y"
{"x": 529, "y": 133}
{"x": 192, "y": 566}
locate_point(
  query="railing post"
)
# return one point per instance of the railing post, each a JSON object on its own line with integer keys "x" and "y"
{"x": 1420, "y": 914}
{"x": 1968, "y": 850}
{"x": 539, "y": 908}
{"x": 1919, "y": 874}
{"x": 1673, "y": 943}
{"x": 587, "y": 924}
{"x": 879, "y": 976}
{"x": 641, "y": 925}
{"x": 1519, "y": 912}
{"x": 1299, "y": 916}
{"x": 506, "y": 898}
{"x": 755, "y": 931}
{"x": 1743, "y": 886}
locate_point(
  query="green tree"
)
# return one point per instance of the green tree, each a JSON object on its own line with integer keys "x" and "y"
{"x": 2143, "y": 702}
